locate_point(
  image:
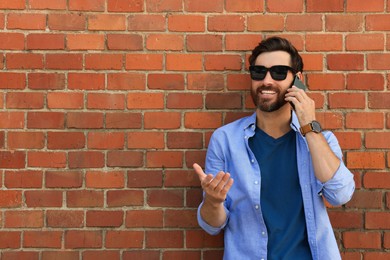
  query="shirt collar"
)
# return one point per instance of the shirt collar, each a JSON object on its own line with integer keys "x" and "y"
{"x": 251, "y": 121}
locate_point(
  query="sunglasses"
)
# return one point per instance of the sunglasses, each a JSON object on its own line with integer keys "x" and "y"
{"x": 278, "y": 72}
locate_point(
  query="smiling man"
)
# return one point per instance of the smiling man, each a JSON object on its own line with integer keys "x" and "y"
{"x": 267, "y": 174}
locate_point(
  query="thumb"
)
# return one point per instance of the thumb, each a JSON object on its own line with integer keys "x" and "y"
{"x": 199, "y": 171}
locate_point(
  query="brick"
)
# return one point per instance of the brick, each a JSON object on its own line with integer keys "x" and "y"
{"x": 66, "y": 61}
{"x": 144, "y": 62}
{"x": 65, "y": 218}
{"x": 106, "y": 22}
{"x": 344, "y": 23}
{"x": 226, "y": 23}
{"x": 184, "y": 62}
{"x": 347, "y": 100}
{"x": 85, "y": 120}
{"x": 87, "y": 5}
{"x": 223, "y": 101}
{"x": 124, "y": 239}
{"x": 376, "y": 255}
{"x": 200, "y": 239}
{"x": 377, "y": 22}
{"x": 43, "y": 4}
{"x": 11, "y": 120}
{"x": 364, "y": 42}
{"x": 146, "y": 22}
{"x": 186, "y": 23}
{"x": 164, "y": 5}
{"x": 377, "y": 140}
{"x": 349, "y": 140}
{"x": 129, "y": 42}
{"x": 125, "y": 5}
{"x": 45, "y": 81}
{"x": 84, "y": 198}
{"x": 107, "y": 218}
{"x": 65, "y": 140}
{"x": 204, "y": 6}
{"x": 180, "y": 218}
{"x": 24, "y": 61}
{"x": 345, "y": 61}
{"x": 45, "y": 120}
{"x": 15, "y": 255}
{"x": 42, "y": 239}
{"x": 244, "y": 6}
{"x": 166, "y": 81}
{"x": 366, "y": 199}
{"x": 144, "y": 100}
{"x": 86, "y": 159}
{"x": 106, "y": 101}
{"x": 126, "y": 81}
{"x": 365, "y": 81}
{"x": 10, "y": 239}
{"x": 238, "y": 81}
{"x": 377, "y": 220}
{"x": 328, "y": 81}
{"x": 65, "y": 100}
{"x": 358, "y": 6}
{"x": 295, "y": 6}
{"x": 324, "y": 42}
{"x": 376, "y": 180}
{"x": 205, "y": 81}
{"x": 222, "y": 62}
{"x": 162, "y": 120}
{"x": 12, "y": 80}
{"x": 362, "y": 240}
{"x": 182, "y": 254}
{"x": 194, "y": 157}
{"x": 306, "y": 22}
{"x": 145, "y": 140}
{"x": 328, "y": 6}
{"x": 184, "y": 100}
{"x": 123, "y": 198}
{"x": 11, "y": 41}
{"x": 181, "y": 178}
{"x": 25, "y": 100}
{"x": 170, "y": 159}
{"x": 104, "y": 179}
{"x": 13, "y": 4}
{"x": 379, "y": 100}
{"x": 47, "y": 255}
{"x": 26, "y": 140}
{"x": 43, "y": 198}
{"x": 83, "y": 239}
{"x": 45, "y": 41}
{"x": 144, "y": 219}
{"x": 12, "y": 160}
{"x": 104, "y": 61}
{"x": 144, "y": 178}
{"x": 184, "y": 140}
{"x": 386, "y": 239}
{"x": 67, "y": 22}
{"x": 205, "y": 43}
{"x": 10, "y": 198}
{"x": 23, "y": 179}
{"x": 199, "y": 120}
{"x": 258, "y": 23}
{"x": 347, "y": 220}
{"x": 164, "y": 239}
{"x": 101, "y": 255}
{"x": 63, "y": 179}
{"x": 123, "y": 120}
{"x": 365, "y": 120}
{"x": 24, "y": 219}
{"x": 85, "y": 41}
{"x": 46, "y": 159}
{"x": 378, "y": 61}
{"x": 125, "y": 159}
{"x": 241, "y": 42}
{"x": 86, "y": 81}
{"x": 26, "y": 21}
{"x": 365, "y": 160}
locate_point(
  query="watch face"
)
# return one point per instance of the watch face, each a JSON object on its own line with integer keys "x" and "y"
{"x": 316, "y": 127}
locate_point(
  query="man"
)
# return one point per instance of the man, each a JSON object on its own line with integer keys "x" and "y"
{"x": 282, "y": 164}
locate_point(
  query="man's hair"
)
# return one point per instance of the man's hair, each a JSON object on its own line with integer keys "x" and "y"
{"x": 278, "y": 44}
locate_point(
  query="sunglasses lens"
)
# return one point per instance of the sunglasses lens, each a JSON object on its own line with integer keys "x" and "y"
{"x": 279, "y": 72}
{"x": 258, "y": 72}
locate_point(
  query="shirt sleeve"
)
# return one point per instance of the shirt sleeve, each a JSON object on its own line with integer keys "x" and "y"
{"x": 340, "y": 188}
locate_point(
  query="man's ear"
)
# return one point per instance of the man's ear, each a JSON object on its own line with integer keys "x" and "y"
{"x": 300, "y": 75}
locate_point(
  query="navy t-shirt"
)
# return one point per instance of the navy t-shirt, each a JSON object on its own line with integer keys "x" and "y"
{"x": 281, "y": 196}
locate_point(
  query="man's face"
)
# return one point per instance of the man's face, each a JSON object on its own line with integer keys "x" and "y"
{"x": 268, "y": 94}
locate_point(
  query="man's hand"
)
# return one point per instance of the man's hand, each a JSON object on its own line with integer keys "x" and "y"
{"x": 215, "y": 188}
{"x": 304, "y": 106}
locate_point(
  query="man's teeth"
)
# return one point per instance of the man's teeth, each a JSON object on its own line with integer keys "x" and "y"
{"x": 267, "y": 92}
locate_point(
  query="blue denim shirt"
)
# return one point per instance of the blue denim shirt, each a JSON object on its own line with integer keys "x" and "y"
{"x": 245, "y": 231}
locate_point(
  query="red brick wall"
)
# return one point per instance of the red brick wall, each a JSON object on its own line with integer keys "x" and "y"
{"x": 105, "y": 105}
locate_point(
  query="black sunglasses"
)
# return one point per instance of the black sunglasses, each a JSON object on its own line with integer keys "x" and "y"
{"x": 278, "y": 72}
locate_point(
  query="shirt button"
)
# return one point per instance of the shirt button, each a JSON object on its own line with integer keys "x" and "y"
{"x": 256, "y": 182}
{"x": 263, "y": 233}
{"x": 252, "y": 160}
{"x": 256, "y": 206}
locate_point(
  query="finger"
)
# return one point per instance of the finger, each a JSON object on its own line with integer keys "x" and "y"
{"x": 199, "y": 171}
{"x": 225, "y": 178}
{"x": 227, "y": 187}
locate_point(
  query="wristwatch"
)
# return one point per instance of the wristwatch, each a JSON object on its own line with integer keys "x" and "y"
{"x": 313, "y": 126}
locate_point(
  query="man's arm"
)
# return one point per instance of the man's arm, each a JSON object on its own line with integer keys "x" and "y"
{"x": 215, "y": 190}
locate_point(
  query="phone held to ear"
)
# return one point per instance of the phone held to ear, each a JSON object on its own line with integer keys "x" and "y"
{"x": 299, "y": 84}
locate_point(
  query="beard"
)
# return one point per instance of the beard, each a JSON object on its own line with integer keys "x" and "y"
{"x": 267, "y": 105}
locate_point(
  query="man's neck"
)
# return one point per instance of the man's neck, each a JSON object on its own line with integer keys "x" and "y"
{"x": 276, "y": 123}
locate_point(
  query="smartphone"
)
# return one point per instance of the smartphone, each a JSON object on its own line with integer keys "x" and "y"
{"x": 298, "y": 83}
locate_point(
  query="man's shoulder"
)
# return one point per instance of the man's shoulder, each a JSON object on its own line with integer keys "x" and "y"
{"x": 238, "y": 124}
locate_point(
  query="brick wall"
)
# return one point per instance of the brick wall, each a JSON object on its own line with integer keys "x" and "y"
{"x": 105, "y": 105}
